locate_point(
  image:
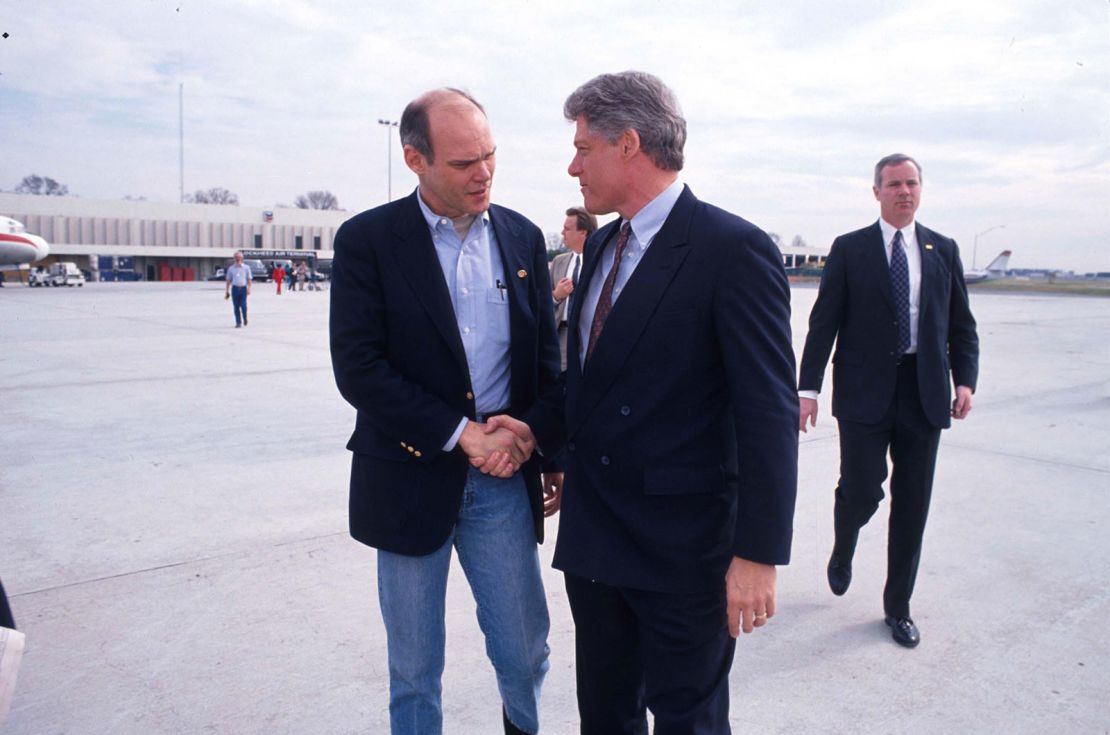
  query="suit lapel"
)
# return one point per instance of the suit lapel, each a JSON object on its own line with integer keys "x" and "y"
{"x": 878, "y": 263}
{"x": 636, "y": 305}
{"x": 515, "y": 257}
{"x": 419, "y": 266}
{"x": 927, "y": 249}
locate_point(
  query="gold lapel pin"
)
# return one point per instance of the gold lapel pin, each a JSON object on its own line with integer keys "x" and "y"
{"x": 522, "y": 273}
{"x": 928, "y": 246}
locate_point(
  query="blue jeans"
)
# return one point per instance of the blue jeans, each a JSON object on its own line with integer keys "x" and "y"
{"x": 239, "y": 303}
{"x": 496, "y": 545}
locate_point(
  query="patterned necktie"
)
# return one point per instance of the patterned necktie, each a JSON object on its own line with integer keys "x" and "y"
{"x": 605, "y": 299}
{"x": 577, "y": 265}
{"x": 900, "y": 289}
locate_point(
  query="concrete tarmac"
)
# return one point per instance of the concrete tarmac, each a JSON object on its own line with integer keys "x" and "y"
{"x": 173, "y": 497}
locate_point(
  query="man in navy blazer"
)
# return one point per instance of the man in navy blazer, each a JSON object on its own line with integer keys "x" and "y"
{"x": 893, "y": 297}
{"x": 681, "y": 454}
{"x": 441, "y": 317}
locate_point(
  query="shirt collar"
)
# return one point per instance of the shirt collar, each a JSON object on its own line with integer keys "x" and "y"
{"x": 438, "y": 220}
{"x": 909, "y": 232}
{"x": 649, "y": 220}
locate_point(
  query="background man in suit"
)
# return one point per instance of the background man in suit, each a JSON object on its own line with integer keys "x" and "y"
{"x": 681, "y": 454}
{"x": 893, "y": 297}
{"x": 441, "y": 317}
{"x": 566, "y": 267}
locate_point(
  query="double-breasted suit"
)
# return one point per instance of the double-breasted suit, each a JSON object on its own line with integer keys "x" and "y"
{"x": 682, "y": 427}
{"x": 681, "y": 453}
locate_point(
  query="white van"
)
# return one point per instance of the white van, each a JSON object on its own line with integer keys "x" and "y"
{"x": 66, "y": 274}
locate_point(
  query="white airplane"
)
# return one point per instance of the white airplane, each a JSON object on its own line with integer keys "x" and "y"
{"x": 995, "y": 269}
{"x": 19, "y": 247}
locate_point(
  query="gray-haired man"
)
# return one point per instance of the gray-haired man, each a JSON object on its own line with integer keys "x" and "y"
{"x": 680, "y": 417}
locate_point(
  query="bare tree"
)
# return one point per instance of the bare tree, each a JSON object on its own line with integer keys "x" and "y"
{"x": 215, "y": 195}
{"x": 799, "y": 242}
{"x": 775, "y": 239}
{"x": 317, "y": 200}
{"x": 41, "y": 185}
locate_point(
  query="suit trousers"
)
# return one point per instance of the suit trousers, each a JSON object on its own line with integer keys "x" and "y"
{"x": 637, "y": 650}
{"x": 912, "y": 443}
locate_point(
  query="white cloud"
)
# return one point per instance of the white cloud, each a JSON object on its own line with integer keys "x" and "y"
{"x": 1007, "y": 104}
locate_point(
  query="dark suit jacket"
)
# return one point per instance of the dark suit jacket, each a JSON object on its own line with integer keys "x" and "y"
{"x": 399, "y": 360}
{"x": 682, "y": 429}
{"x": 854, "y": 306}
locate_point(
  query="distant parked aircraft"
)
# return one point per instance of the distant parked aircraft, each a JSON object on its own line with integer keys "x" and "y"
{"x": 996, "y": 269}
{"x": 19, "y": 247}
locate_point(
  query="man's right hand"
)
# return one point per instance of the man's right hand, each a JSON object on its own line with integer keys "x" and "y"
{"x": 563, "y": 288}
{"x": 495, "y": 451}
{"x": 807, "y": 409}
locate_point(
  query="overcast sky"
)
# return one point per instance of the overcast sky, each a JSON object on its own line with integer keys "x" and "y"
{"x": 1005, "y": 103}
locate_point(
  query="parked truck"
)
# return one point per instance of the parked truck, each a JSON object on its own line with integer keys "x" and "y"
{"x": 65, "y": 274}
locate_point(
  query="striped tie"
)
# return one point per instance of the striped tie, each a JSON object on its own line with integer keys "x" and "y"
{"x": 605, "y": 300}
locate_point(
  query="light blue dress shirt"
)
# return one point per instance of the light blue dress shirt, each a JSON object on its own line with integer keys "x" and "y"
{"x": 475, "y": 276}
{"x": 645, "y": 226}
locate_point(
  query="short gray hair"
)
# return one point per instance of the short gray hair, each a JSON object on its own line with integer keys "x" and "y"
{"x": 893, "y": 160}
{"x": 613, "y": 103}
{"x": 414, "y": 120}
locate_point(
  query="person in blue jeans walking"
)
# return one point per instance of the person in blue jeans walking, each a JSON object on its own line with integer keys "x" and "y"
{"x": 440, "y": 319}
{"x": 237, "y": 287}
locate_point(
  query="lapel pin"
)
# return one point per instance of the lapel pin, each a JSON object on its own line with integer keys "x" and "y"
{"x": 928, "y": 246}
{"x": 521, "y": 273}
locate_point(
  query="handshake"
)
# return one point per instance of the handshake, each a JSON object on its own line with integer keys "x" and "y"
{"x": 498, "y": 447}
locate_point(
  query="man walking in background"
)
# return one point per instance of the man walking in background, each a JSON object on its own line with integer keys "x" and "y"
{"x": 237, "y": 287}
{"x": 893, "y": 298}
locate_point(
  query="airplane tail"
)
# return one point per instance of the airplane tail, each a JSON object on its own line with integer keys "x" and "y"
{"x": 1001, "y": 263}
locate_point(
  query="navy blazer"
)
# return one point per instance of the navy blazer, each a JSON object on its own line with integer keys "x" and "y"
{"x": 399, "y": 360}
{"x": 855, "y": 307}
{"x": 682, "y": 429}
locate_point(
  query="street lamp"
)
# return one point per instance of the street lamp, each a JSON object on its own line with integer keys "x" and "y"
{"x": 975, "y": 244}
{"x": 389, "y": 154}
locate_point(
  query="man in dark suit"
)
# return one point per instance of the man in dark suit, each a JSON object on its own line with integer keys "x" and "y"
{"x": 566, "y": 268}
{"x": 440, "y": 318}
{"x": 893, "y": 297}
{"x": 681, "y": 454}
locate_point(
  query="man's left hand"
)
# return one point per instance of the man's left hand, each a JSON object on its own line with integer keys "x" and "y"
{"x": 750, "y": 591}
{"x": 552, "y": 493}
{"x": 961, "y": 406}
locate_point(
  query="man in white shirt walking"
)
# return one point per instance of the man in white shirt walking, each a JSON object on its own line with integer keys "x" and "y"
{"x": 237, "y": 287}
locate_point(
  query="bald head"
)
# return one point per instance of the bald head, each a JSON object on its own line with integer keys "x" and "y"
{"x": 415, "y": 125}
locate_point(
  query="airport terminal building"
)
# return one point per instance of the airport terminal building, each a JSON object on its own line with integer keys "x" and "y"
{"x": 158, "y": 241}
{"x": 166, "y": 240}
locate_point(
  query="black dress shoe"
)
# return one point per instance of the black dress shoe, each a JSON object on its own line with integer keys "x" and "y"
{"x": 840, "y": 575}
{"x": 903, "y": 631}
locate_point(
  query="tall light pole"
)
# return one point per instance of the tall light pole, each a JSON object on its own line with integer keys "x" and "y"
{"x": 975, "y": 244}
{"x": 389, "y": 124}
{"x": 181, "y": 136}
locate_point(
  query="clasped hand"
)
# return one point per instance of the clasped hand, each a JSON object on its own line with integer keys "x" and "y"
{"x": 499, "y": 446}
